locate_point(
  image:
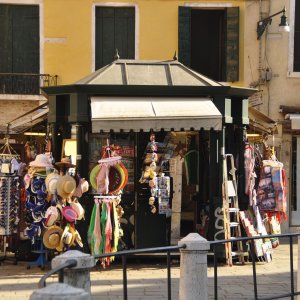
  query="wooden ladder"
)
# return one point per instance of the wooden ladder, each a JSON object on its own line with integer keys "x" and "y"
{"x": 232, "y": 224}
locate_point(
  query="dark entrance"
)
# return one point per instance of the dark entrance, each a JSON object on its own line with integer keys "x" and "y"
{"x": 207, "y": 42}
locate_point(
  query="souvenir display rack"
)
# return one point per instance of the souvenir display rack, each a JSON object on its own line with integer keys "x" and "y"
{"x": 9, "y": 196}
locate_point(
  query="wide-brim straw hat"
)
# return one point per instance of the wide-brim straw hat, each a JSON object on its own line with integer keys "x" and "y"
{"x": 67, "y": 238}
{"x": 52, "y": 236}
{"x": 41, "y": 161}
{"x": 51, "y": 216}
{"x": 66, "y": 185}
{"x": 51, "y": 182}
{"x": 84, "y": 186}
{"x": 65, "y": 162}
{"x": 78, "y": 208}
{"x": 118, "y": 177}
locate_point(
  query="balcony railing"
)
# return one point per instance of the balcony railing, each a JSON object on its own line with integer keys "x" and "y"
{"x": 25, "y": 84}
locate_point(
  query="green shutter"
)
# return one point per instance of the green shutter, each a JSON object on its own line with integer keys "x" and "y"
{"x": 5, "y": 39}
{"x": 184, "y": 35}
{"x": 19, "y": 39}
{"x": 115, "y": 29}
{"x": 26, "y": 41}
{"x": 232, "y": 44}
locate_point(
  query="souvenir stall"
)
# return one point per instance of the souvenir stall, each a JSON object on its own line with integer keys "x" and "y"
{"x": 175, "y": 188}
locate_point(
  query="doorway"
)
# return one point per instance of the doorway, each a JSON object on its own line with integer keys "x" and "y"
{"x": 207, "y": 42}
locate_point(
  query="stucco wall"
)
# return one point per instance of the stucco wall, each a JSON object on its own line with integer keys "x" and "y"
{"x": 69, "y": 28}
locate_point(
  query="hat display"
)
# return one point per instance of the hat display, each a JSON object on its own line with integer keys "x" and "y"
{"x": 69, "y": 213}
{"x": 51, "y": 216}
{"x": 65, "y": 186}
{"x": 78, "y": 208}
{"x": 41, "y": 161}
{"x": 52, "y": 236}
{"x": 51, "y": 182}
{"x": 65, "y": 162}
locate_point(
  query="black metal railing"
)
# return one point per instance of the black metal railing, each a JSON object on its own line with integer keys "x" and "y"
{"x": 124, "y": 255}
{"x": 25, "y": 84}
{"x": 292, "y": 293}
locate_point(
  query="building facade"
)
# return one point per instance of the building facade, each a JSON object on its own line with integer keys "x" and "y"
{"x": 71, "y": 39}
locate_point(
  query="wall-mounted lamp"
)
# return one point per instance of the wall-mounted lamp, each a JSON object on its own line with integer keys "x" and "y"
{"x": 262, "y": 24}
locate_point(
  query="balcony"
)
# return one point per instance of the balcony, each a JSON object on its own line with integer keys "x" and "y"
{"x": 25, "y": 84}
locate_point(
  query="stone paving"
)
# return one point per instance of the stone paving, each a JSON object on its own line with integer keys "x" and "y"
{"x": 148, "y": 279}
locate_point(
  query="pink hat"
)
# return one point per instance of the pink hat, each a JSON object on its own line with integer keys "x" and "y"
{"x": 69, "y": 213}
{"x": 41, "y": 160}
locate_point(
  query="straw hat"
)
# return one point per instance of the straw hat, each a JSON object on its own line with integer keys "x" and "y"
{"x": 69, "y": 213}
{"x": 65, "y": 162}
{"x": 51, "y": 182}
{"x": 51, "y": 216}
{"x": 93, "y": 174}
{"x": 67, "y": 238}
{"x": 42, "y": 161}
{"x": 52, "y": 236}
{"x": 78, "y": 208}
{"x": 117, "y": 177}
{"x": 78, "y": 239}
{"x": 66, "y": 185}
{"x": 84, "y": 186}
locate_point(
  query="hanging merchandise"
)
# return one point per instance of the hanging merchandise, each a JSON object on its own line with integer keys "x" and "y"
{"x": 36, "y": 196}
{"x": 271, "y": 192}
{"x": 64, "y": 194}
{"x": 159, "y": 184}
{"x": 108, "y": 178}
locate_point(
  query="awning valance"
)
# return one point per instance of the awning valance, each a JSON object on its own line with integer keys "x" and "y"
{"x": 260, "y": 122}
{"x": 146, "y": 113}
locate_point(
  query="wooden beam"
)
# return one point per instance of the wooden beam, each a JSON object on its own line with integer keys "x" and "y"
{"x": 285, "y": 109}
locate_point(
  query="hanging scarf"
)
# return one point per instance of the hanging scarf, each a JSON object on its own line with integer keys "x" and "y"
{"x": 91, "y": 236}
{"x": 97, "y": 230}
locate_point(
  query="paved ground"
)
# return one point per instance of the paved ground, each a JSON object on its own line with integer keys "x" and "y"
{"x": 147, "y": 279}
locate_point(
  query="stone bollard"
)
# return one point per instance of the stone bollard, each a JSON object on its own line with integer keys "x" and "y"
{"x": 78, "y": 276}
{"x": 193, "y": 268}
{"x": 60, "y": 291}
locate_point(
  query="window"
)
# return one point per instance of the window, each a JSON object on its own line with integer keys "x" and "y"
{"x": 296, "y": 61}
{"x": 115, "y": 29}
{"x": 295, "y": 186}
{"x": 208, "y": 41}
{"x": 20, "y": 46}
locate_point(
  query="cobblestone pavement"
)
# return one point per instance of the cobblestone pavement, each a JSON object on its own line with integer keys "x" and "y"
{"x": 148, "y": 279}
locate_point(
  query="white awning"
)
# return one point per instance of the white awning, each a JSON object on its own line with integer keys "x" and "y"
{"x": 295, "y": 120}
{"x": 145, "y": 113}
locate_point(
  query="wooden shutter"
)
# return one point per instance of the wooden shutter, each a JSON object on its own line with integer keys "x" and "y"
{"x": 115, "y": 29}
{"x": 26, "y": 41}
{"x": 231, "y": 65}
{"x": 5, "y": 39}
{"x": 296, "y": 67}
{"x": 184, "y": 35}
